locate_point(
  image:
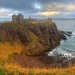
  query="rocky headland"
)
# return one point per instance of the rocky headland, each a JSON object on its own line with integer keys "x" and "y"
{"x": 37, "y": 38}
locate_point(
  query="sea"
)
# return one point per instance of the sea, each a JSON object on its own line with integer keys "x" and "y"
{"x": 5, "y": 19}
{"x": 67, "y": 47}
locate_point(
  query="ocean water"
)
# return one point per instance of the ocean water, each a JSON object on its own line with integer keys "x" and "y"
{"x": 5, "y": 19}
{"x": 67, "y": 47}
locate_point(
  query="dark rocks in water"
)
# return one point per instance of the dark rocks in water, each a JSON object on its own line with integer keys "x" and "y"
{"x": 72, "y": 61}
{"x": 64, "y": 61}
{"x": 62, "y": 35}
{"x": 67, "y": 33}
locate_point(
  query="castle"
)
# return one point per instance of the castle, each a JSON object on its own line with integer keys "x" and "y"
{"x": 20, "y": 19}
{"x": 17, "y": 18}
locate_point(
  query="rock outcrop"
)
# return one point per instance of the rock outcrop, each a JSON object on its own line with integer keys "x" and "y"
{"x": 37, "y": 38}
{"x": 67, "y": 33}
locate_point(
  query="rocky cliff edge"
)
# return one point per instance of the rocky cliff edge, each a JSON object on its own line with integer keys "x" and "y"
{"x": 37, "y": 38}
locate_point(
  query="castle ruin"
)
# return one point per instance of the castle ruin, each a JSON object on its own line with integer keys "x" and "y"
{"x": 20, "y": 19}
{"x": 17, "y": 18}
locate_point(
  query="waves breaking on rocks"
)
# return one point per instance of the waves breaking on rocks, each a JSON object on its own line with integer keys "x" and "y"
{"x": 66, "y": 51}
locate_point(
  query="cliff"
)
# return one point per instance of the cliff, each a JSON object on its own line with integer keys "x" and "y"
{"x": 37, "y": 38}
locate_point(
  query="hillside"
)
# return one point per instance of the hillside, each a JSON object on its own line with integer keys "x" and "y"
{"x": 37, "y": 38}
{"x": 27, "y": 43}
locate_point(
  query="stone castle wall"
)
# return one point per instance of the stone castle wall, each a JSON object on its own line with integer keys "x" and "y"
{"x": 17, "y": 18}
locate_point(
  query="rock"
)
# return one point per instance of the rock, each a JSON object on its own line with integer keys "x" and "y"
{"x": 62, "y": 35}
{"x": 37, "y": 38}
{"x": 67, "y": 33}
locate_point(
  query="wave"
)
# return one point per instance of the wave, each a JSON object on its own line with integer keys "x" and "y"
{"x": 65, "y": 49}
{"x": 59, "y": 53}
{"x": 73, "y": 34}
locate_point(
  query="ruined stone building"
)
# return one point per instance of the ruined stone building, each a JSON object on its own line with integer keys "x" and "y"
{"x": 17, "y": 18}
{"x": 49, "y": 19}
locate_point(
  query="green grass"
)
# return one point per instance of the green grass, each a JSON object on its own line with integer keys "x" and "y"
{"x": 2, "y": 72}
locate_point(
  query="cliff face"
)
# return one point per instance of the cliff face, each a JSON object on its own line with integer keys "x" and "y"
{"x": 37, "y": 38}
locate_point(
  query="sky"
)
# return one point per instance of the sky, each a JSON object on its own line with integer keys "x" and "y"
{"x": 38, "y": 8}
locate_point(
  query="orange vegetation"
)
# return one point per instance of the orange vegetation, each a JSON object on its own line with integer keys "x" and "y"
{"x": 7, "y": 49}
{"x": 13, "y": 68}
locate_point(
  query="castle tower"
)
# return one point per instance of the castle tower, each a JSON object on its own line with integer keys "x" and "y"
{"x": 49, "y": 19}
{"x": 14, "y": 18}
{"x": 17, "y": 18}
{"x": 20, "y": 18}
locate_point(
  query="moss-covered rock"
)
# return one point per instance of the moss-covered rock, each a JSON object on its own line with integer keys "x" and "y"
{"x": 37, "y": 38}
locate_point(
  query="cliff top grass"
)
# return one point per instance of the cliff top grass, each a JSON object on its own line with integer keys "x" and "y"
{"x": 30, "y": 22}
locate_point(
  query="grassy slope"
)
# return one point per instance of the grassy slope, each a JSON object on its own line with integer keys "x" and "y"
{"x": 6, "y": 49}
{"x": 15, "y": 69}
{"x": 11, "y": 69}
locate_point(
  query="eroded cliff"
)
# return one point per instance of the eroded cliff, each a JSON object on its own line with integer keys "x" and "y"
{"x": 37, "y": 38}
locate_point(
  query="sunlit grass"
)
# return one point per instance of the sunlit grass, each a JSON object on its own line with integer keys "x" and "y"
{"x": 7, "y": 49}
{"x": 15, "y": 69}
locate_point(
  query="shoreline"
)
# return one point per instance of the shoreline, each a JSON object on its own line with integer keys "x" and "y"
{"x": 62, "y": 58}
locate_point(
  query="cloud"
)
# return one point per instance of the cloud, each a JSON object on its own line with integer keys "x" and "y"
{"x": 17, "y": 4}
{"x": 34, "y": 5}
{"x": 71, "y": 14}
{"x": 48, "y": 13}
{"x": 58, "y": 7}
{"x": 7, "y": 12}
{"x": 37, "y": 7}
{"x": 69, "y": 7}
{"x": 4, "y": 12}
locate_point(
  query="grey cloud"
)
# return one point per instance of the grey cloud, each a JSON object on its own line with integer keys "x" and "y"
{"x": 17, "y": 4}
{"x": 27, "y": 6}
